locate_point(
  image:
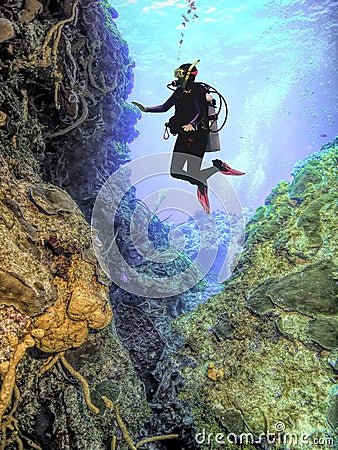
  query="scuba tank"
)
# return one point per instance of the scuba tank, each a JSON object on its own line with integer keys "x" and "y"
{"x": 213, "y": 142}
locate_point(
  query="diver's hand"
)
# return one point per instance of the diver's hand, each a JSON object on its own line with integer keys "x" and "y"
{"x": 140, "y": 106}
{"x": 188, "y": 127}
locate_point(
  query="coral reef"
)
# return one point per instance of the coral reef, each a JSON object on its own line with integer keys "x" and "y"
{"x": 265, "y": 349}
{"x": 64, "y": 124}
{"x": 65, "y": 74}
{"x": 262, "y": 351}
{"x": 50, "y": 293}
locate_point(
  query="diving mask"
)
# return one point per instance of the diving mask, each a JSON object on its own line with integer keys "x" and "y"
{"x": 181, "y": 73}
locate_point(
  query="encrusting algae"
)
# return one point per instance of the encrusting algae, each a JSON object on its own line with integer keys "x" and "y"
{"x": 50, "y": 293}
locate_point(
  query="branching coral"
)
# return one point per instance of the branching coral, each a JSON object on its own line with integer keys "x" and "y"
{"x": 8, "y": 422}
{"x": 104, "y": 89}
{"x": 84, "y": 384}
{"x": 55, "y": 32}
{"x": 8, "y": 382}
{"x": 49, "y": 54}
{"x": 75, "y": 124}
{"x": 126, "y": 436}
{"x": 108, "y": 403}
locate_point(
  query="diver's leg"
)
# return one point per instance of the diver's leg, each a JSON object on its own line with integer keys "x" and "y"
{"x": 194, "y": 160}
{"x": 197, "y": 151}
{"x": 208, "y": 172}
{"x": 194, "y": 170}
{"x": 194, "y": 167}
{"x": 224, "y": 168}
{"x": 178, "y": 160}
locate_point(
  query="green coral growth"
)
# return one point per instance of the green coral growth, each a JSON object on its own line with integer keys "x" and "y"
{"x": 273, "y": 330}
{"x": 310, "y": 218}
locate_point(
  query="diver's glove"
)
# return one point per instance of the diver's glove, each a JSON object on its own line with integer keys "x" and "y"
{"x": 140, "y": 106}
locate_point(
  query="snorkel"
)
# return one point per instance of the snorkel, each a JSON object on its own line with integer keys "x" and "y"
{"x": 184, "y": 84}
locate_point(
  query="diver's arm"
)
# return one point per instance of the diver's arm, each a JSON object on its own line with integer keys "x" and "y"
{"x": 200, "y": 109}
{"x": 166, "y": 105}
{"x": 159, "y": 108}
{"x": 194, "y": 122}
{"x": 140, "y": 106}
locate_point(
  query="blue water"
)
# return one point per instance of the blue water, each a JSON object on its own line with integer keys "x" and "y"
{"x": 274, "y": 61}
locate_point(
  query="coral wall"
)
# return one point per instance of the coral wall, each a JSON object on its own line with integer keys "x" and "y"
{"x": 264, "y": 351}
{"x": 65, "y": 76}
{"x": 64, "y": 124}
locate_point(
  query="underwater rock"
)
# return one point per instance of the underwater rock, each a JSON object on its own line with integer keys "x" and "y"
{"x": 6, "y": 29}
{"x": 30, "y": 300}
{"x": 32, "y": 9}
{"x": 333, "y": 359}
{"x": 294, "y": 326}
{"x": 311, "y": 290}
{"x": 142, "y": 340}
{"x": 232, "y": 421}
{"x": 24, "y": 281}
{"x": 324, "y": 331}
{"x": 51, "y": 199}
{"x": 305, "y": 181}
{"x": 310, "y": 219}
{"x": 332, "y": 410}
{"x": 223, "y": 327}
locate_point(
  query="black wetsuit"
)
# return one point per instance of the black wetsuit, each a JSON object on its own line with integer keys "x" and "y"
{"x": 190, "y": 108}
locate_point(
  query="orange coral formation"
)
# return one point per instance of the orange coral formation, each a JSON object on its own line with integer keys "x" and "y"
{"x": 214, "y": 374}
{"x": 3, "y": 115}
{"x": 82, "y": 304}
{"x": 60, "y": 332}
{"x": 8, "y": 382}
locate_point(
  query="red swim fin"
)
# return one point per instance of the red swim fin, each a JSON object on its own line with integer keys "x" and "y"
{"x": 202, "y": 195}
{"x": 224, "y": 168}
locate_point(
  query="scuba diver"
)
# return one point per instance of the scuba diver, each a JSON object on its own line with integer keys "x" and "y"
{"x": 190, "y": 124}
